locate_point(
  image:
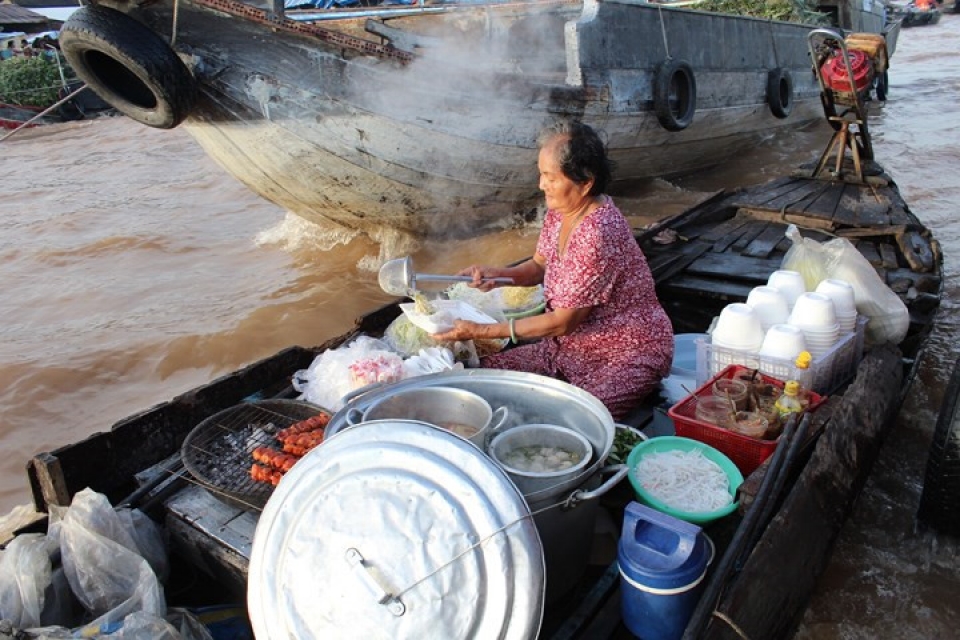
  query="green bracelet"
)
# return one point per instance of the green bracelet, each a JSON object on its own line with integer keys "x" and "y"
{"x": 513, "y": 335}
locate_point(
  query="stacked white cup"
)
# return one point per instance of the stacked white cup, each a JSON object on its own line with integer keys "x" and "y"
{"x": 844, "y": 302}
{"x": 770, "y": 306}
{"x": 738, "y": 329}
{"x": 789, "y": 283}
{"x": 815, "y": 316}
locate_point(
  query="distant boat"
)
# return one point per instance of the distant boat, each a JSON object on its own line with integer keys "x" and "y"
{"x": 424, "y": 117}
{"x": 914, "y": 15}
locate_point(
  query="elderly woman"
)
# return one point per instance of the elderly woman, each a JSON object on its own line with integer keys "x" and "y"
{"x": 604, "y": 329}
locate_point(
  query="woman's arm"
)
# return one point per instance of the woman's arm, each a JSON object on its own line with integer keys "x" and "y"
{"x": 559, "y": 322}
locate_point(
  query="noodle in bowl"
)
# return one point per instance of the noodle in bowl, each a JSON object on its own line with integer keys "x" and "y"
{"x": 684, "y": 478}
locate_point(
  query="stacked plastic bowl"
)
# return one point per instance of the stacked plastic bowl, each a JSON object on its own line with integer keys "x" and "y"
{"x": 814, "y": 314}
{"x": 789, "y": 283}
{"x": 844, "y": 302}
{"x": 770, "y": 306}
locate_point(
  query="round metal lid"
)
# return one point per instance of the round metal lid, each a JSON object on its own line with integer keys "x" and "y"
{"x": 396, "y": 529}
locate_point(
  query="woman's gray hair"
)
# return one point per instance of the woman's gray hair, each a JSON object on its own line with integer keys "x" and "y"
{"x": 581, "y": 154}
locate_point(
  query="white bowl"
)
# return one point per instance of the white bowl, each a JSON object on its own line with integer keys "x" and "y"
{"x": 842, "y": 294}
{"x": 789, "y": 283}
{"x": 770, "y": 305}
{"x": 813, "y": 310}
{"x": 738, "y": 327}
{"x": 783, "y": 341}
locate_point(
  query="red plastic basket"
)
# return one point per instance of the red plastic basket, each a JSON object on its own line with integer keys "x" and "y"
{"x": 746, "y": 452}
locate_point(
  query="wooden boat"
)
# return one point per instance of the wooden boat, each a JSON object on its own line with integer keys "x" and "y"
{"x": 915, "y": 15}
{"x": 423, "y": 117}
{"x": 769, "y": 553}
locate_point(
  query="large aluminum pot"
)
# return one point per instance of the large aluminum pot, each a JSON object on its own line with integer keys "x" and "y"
{"x": 463, "y": 412}
{"x": 565, "y": 513}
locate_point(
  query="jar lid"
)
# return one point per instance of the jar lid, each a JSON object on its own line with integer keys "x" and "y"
{"x": 396, "y": 529}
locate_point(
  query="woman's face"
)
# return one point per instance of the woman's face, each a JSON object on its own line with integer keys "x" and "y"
{"x": 560, "y": 192}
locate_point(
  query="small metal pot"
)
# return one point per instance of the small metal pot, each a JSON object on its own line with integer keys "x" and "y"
{"x": 540, "y": 435}
{"x": 462, "y": 412}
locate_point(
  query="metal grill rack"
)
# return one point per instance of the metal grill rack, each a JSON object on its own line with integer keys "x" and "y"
{"x": 217, "y": 453}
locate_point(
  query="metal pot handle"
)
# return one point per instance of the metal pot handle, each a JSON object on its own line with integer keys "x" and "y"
{"x": 351, "y": 414}
{"x": 619, "y": 471}
{"x": 496, "y": 425}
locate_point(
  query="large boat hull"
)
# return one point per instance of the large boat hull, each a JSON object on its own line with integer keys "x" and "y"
{"x": 426, "y": 120}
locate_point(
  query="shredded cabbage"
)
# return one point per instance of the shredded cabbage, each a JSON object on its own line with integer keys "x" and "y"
{"x": 407, "y": 338}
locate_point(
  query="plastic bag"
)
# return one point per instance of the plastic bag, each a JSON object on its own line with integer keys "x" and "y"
{"x": 25, "y": 574}
{"x": 329, "y": 377}
{"x": 104, "y": 566}
{"x": 889, "y": 318}
{"x": 431, "y": 360}
{"x": 806, "y": 257}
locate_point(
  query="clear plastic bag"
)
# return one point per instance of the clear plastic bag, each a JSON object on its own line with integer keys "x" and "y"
{"x": 806, "y": 257}
{"x": 25, "y": 574}
{"x": 329, "y": 377}
{"x": 839, "y": 259}
{"x": 106, "y": 570}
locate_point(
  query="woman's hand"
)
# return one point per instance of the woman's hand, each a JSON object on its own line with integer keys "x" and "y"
{"x": 483, "y": 276}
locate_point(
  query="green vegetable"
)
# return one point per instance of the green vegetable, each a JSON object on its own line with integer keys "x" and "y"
{"x": 624, "y": 440}
{"x": 32, "y": 81}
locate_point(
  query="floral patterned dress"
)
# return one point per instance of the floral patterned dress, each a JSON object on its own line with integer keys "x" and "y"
{"x": 623, "y": 348}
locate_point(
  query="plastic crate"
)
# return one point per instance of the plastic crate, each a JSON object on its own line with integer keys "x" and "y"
{"x": 828, "y": 372}
{"x": 746, "y": 452}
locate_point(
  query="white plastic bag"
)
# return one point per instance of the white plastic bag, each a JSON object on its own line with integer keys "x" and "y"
{"x": 889, "y": 318}
{"x": 25, "y": 574}
{"x": 104, "y": 566}
{"x": 806, "y": 257}
{"x": 329, "y": 377}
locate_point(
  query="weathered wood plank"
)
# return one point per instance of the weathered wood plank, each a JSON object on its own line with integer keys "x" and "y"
{"x": 846, "y": 211}
{"x": 777, "y": 189}
{"x": 749, "y": 234}
{"x": 724, "y": 229}
{"x": 690, "y": 285}
{"x": 869, "y": 251}
{"x": 766, "y": 242}
{"x": 751, "y": 270}
{"x": 798, "y": 200}
{"x": 788, "y": 218}
{"x": 826, "y": 203}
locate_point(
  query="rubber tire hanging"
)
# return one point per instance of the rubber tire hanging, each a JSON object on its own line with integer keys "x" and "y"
{"x": 780, "y": 92}
{"x": 129, "y": 66}
{"x": 940, "y": 500}
{"x": 674, "y": 95}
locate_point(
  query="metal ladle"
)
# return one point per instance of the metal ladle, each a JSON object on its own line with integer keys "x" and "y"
{"x": 398, "y": 278}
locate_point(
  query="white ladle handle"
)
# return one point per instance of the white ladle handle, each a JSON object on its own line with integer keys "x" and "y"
{"x": 439, "y": 278}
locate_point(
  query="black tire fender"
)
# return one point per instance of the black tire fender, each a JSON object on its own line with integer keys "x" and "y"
{"x": 129, "y": 66}
{"x": 780, "y": 92}
{"x": 674, "y": 94}
{"x": 940, "y": 500}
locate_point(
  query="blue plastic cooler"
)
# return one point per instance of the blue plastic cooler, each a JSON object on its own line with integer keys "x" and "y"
{"x": 663, "y": 561}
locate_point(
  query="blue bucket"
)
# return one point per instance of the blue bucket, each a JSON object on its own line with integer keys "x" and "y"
{"x": 663, "y": 562}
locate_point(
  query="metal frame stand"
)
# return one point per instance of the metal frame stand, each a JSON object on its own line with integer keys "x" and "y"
{"x": 850, "y": 125}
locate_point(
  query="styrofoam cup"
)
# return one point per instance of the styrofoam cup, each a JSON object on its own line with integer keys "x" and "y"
{"x": 813, "y": 310}
{"x": 738, "y": 327}
{"x": 783, "y": 341}
{"x": 770, "y": 305}
{"x": 842, "y": 294}
{"x": 789, "y": 283}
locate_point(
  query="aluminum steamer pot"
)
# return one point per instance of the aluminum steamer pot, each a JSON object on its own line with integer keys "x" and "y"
{"x": 565, "y": 512}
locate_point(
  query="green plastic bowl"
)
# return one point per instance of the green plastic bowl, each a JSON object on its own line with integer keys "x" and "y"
{"x": 676, "y": 443}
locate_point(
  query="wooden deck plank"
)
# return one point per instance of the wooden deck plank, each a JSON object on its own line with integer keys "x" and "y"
{"x": 727, "y": 266}
{"x": 765, "y": 243}
{"x": 797, "y": 201}
{"x": 709, "y": 288}
{"x": 826, "y": 203}
{"x": 749, "y": 234}
{"x": 724, "y": 229}
{"x": 846, "y": 212}
{"x": 777, "y": 189}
